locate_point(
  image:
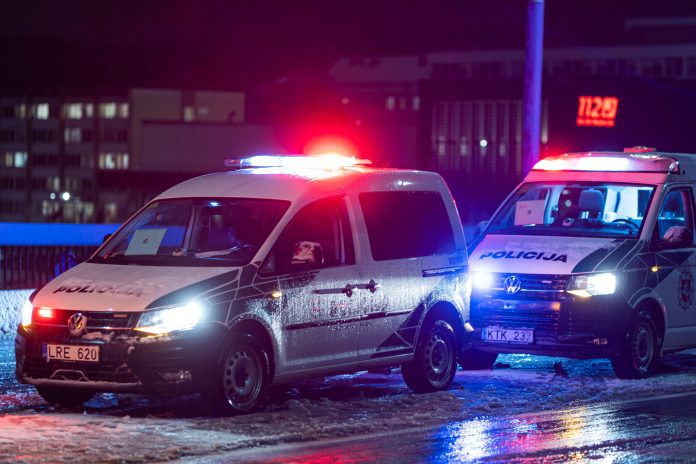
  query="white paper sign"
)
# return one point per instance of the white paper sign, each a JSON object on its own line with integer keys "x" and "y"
{"x": 529, "y": 212}
{"x": 145, "y": 242}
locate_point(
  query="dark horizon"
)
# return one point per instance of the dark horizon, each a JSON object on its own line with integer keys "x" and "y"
{"x": 109, "y": 47}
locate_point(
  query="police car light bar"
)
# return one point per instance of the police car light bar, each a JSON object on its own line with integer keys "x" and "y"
{"x": 327, "y": 162}
{"x": 608, "y": 162}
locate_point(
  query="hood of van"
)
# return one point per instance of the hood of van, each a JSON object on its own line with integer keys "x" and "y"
{"x": 525, "y": 254}
{"x": 109, "y": 287}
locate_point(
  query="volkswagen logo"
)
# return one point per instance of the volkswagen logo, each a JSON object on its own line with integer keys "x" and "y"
{"x": 77, "y": 323}
{"x": 512, "y": 284}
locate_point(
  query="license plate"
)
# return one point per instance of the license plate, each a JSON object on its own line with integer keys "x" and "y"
{"x": 81, "y": 353}
{"x": 503, "y": 335}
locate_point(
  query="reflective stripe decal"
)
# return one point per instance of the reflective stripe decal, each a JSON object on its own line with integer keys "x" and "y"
{"x": 443, "y": 271}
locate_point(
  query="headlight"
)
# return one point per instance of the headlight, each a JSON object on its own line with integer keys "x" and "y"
{"x": 482, "y": 280}
{"x": 592, "y": 284}
{"x": 27, "y": 309}
{"x": 163, "y": 321}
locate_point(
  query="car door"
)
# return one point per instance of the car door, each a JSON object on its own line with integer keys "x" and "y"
{"x": 676, "y": 262}
{"x": 403, "y": 229}
{"x": 315, "y": 262}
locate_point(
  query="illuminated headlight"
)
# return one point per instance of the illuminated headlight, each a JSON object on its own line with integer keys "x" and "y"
{"x": 163, "y": 321}
{"x": 592, "y": 284}
{"x": 482, "y": 280}
{"x": 27, "y": 309}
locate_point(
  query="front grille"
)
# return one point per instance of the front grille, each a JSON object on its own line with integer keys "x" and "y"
{"x": 529, "y": 315}
{"x": 95, "y": 320}
{"x": 532, "y": 283}
{"x": 541, "y": 304}
{"x": 95, "y": 372}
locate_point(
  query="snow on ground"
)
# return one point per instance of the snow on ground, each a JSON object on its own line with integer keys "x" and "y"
{"x": 138, "y": 428}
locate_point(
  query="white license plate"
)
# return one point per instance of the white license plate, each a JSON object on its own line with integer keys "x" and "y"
{"x": 81, "y": 353}
{"x": 503, "y": 335}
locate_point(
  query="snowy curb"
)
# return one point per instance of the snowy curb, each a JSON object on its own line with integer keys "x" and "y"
{"x": 11, "y": 302}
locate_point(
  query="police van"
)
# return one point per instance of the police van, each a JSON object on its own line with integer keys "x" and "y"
{"x": 591, "y": 256}
{"x": 280, "y": 269}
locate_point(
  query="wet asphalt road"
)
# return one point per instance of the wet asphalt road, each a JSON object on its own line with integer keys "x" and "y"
{"x": 660, "y": 429}
{"x": 655, "y": 430}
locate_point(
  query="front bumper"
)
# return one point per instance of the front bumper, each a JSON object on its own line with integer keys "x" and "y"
{"x": 128, "y": 361}
{"x": 564, "y": 325}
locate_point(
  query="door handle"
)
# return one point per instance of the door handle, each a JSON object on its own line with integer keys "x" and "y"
{"x": 347, "y": 290}
{"x": 372, "y": 286}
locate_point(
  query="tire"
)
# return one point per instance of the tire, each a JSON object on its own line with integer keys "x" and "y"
{"x": 65, "y": 397}
{"x": 241, "y": 376}
{"x": 435, "y": 363}
{"x": 639, "y": 350}
{"x": 475, "y": 360}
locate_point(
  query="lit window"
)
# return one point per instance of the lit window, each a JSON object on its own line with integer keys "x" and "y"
{"x": 415, "y": 103}
{"x": 188, "y": 113}
{"x": 107, "y": 110}
{"x": 123, "y": 110}
{"x": 53, "y": 183}
{"x": 21, "y": 111}
{"x": 113, "y": 161}
{"x": 89, "y": 110}
{"x": 402, "y": 103}
{"x": 41, "y": 111}
{"x": 391, "y": 103}
{"x": 73, "y": 135}
{"x": 20, "y": 159}
{"x": 50, "y": 208}
{"x": 73, "y": 110}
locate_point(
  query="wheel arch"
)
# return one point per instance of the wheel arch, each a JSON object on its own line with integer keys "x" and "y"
{"x": 449, "y": 313}
{"x": 658, "y": 313}
{"x": 258, "y": 328}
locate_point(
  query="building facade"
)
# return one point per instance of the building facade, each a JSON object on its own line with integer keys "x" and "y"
{"x": 56, "y": 151}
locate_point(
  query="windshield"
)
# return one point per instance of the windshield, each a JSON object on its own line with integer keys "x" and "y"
{"x": 584, "y": 209}
{"x": 194, "y": 232}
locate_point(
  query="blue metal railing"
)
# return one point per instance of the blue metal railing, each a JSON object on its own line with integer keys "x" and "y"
{"x": 32, "y": 254}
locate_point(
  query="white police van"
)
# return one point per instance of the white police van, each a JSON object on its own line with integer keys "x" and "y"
{"x": 591, "y": 256}
{"x": 283, "y": 268}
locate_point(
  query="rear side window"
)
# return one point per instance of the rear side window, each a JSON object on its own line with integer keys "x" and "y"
{"x": 406, "y": 224}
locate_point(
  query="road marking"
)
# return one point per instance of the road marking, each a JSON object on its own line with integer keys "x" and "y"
{"x": 308, "y": 445}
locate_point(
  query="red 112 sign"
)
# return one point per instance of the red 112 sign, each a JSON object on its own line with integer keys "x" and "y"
{"x": 597, "y": 111}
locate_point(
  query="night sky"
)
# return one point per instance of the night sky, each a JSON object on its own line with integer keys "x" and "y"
{"x": 103, "y": 46}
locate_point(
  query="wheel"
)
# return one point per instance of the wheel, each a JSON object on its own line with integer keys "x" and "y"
{"x": 475, "y": 360}
{"x": 65, "y": 397}
{"x": 639, "y": 350}
{"x": 435, "y": 363}
{"x": 240, "y": 378}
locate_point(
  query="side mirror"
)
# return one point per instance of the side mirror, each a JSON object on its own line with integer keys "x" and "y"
{"x": 106, "y": 237}
{"x": 676, "y": 237}
{"x": 480, "y": 228}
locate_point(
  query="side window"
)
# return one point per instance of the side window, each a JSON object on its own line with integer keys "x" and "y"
{"x": 406, "y": 224}
{"x": 317, "y": 237}
{"x": 675, "y": 221}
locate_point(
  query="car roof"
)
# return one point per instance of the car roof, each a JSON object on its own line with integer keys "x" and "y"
{"x": 633, "y": 164}
{"x": 305, "y": 184}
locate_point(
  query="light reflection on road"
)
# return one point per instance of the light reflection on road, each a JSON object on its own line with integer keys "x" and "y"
{"x": 656, "y": 430}
{"x": 527, "y": 434}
